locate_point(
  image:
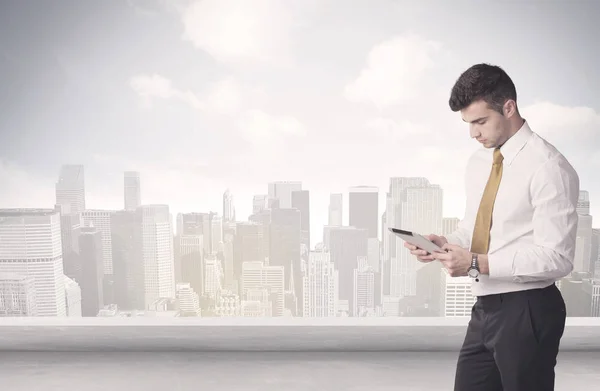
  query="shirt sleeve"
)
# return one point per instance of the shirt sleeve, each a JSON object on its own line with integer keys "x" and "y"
{"x": 554, "y": 197}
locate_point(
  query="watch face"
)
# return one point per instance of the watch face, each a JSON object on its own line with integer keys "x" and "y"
{"x": 473, "y": 273}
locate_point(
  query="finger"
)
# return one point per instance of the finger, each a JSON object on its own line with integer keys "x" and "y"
{"x": 419, "y": 252}
{"x": 426, "y": 258}
{"x": 442, "y": 256}
{"x": 410, "y": 246}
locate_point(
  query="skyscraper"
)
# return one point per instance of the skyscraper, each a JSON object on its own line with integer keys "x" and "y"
{"x": 70, "y": 188}
{"x": 280, "y": 193}
{"x": 228, "y": 209}
{"x": 132, "y": 190}
{"x": 285, "y": 239}
{"x": 412, "y": 204}
{"x": 100, "y": 219}
{"x": 92, "y": 273}
{"x": 301, "y": 201}
{"x": 583, "y": 247}
{"x": 336, "y": 211}
{"x": 363, "y": 209}
{"x": 30, "y": 246}
{"x": 319, "y": 286}
{"x": 157, "y": 252}
{"x": 347, "y": 246}
{"x": 128, "y": 268}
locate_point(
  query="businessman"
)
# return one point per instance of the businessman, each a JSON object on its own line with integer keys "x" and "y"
{"x": 516, "y": 240}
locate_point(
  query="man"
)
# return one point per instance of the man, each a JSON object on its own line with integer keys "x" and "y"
{"x": 516, "y": 240}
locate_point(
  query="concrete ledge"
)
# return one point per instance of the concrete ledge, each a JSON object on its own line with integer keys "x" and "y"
{"x": 257, "y": 334}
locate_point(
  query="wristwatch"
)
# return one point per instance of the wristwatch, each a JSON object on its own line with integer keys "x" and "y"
{"x": 473, "y": 271}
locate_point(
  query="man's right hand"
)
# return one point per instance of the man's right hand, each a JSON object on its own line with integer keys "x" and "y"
{"x": 423, "y": 255}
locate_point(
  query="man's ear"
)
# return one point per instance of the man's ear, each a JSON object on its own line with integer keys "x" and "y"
{"x": 510, "y": 108}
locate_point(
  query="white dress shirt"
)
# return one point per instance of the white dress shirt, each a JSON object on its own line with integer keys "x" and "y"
{"x": 534, "y": 221}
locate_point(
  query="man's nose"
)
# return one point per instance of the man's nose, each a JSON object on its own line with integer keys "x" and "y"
{"x": 473, "y": 131}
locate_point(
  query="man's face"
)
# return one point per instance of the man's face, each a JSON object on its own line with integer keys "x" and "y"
{"x": 487, "y": 126}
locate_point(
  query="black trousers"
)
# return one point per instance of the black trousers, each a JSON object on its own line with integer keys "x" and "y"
{"x": 512, "y": 342}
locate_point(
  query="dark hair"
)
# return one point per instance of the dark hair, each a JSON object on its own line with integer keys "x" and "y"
{"x": 482, "y": 82}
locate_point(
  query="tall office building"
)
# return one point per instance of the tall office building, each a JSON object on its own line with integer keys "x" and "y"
{"x": 280, "y": 193}
{"x": 92, "y": 273}
{"x": 100, "y": 219}
{"x": 214, "y": 225}
{"x": 595, "y": 253}
{"x": 213, "y": 277}
{"x": 363, "y": 209}
{"x": 259, "y": 203}
{"x": 583, "y": 247}
{"x": 128, "y": 267}
{"x": 301, "y": 201}
{"x": 228, "y": 208}
{"x": 157, "y": 253}
{"x": 73, "y": 298}
{"x": 70, "y": 188}
{"x": 336, "y": 210}
{"x": 248, "y": 246}
{"x": 364, "y": 289}
{"x": 30, "y": 246}
{"x": 132, "y": 190}
{"x": 70, "y": 228}
{"x": 191, "y": 253}
{"x": 209, "y": 225}
{"x": 285, "y": 243}
{"x": 319, "y": 286}
{"x": 413, "y": 204}
{"x": 347, "y": 246}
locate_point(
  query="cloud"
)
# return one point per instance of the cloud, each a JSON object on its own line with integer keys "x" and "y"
{"x": 222, "y": 97}
{"x": 394, "y": 71}
{"x": 574, "y": 130}
{"x": 153, "y": 86}
{"x": 225, "y": 97}
{"x": 239, "y": 30}
{"x": 388, "y": 130}
{"x": 261, "y": 128}
{"x": 563, "y": 123}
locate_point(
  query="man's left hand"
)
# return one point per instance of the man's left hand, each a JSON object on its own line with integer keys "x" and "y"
{"x": 456, "y": 259}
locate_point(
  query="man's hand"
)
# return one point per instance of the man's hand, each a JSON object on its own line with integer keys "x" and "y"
{"x": 423, "y": 255}
{"x": 456, "y": 259}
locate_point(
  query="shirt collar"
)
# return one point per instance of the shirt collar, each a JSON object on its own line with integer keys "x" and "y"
{"x": 511, "y": 148}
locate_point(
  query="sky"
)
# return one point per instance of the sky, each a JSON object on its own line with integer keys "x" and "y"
{"x": 201, "y": 96}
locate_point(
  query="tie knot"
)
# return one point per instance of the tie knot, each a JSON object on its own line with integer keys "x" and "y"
{"x": 498, "y": 156}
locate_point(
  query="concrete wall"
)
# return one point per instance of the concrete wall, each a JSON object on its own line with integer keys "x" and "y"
{"x": 257, "y": 334}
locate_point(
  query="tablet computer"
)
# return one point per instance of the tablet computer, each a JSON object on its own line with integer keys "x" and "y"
{"x": 416, "y": 239}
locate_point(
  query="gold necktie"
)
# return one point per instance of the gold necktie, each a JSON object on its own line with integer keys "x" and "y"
{"x": 483, "y": 222}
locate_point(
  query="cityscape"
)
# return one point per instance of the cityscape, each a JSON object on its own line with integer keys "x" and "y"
{"x": 196, "y": 194}
{"x": 142, "y": 260}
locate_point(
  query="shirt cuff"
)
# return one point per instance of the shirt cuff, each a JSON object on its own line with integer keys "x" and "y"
{"x": 500, "y": 266}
